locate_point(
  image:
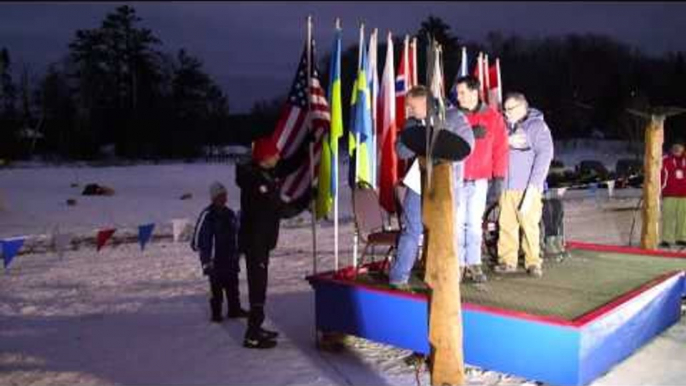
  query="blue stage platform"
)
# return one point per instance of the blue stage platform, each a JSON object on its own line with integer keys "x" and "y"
{"x": 538, "y": 347}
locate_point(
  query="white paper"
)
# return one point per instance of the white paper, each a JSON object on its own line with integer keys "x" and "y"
{"x": 413, "y": 178}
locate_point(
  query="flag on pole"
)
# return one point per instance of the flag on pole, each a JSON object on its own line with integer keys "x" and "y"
{"x": 144, "y": 234}
{"x": 388, "y": 174}
{"x": 10, "y": 248}
{"x": 436, "y": 85}
{"x": 296, "y": 120}
{"x": 361, "y": 126}
{"x": 493, "y": 84}
{"x": 103, "y": 236}
{"x": 413, "y": 63}
{"x": 402, "y": 86}
{"x": 328, "y": 172}
{"x": 479, "y": 74}
{"x": 373, "y": 79}
{"x": 178, "y": 225}
{"x": 462, "y": 71}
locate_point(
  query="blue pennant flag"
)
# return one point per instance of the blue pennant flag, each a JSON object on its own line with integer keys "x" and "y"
{"x": 144, "y": 234}
{"x": 10, "y": 247}
{"x": 593, "y": 189}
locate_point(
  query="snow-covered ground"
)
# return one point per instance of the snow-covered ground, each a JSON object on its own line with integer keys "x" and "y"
{"x": 126, "y": 316}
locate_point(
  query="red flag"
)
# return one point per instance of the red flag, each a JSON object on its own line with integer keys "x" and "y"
{"x": 388, "y": 169}
{"x": 493, "y": 94}
{"x": 297, "y": 118}
{"x": 103, "y": 236}
{"x": 402, "y": 85}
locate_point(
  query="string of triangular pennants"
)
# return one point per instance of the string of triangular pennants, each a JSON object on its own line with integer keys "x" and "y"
{"x": 10, "y": 247}
{"x": 591, "y": 186}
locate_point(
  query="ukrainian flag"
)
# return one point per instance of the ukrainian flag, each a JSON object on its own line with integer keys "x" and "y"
{"x": 328, "y": 168}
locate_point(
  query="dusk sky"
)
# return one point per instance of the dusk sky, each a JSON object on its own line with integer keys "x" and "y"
{"x": 252, "y": 48}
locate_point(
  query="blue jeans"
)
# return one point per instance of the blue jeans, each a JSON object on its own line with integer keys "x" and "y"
{"x": 470, "y": 210}
{"x": 408, "y": 242}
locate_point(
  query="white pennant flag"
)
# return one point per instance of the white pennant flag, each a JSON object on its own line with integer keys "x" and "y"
{"x": 610, "y": 187}
{"x": 178, "y": 226}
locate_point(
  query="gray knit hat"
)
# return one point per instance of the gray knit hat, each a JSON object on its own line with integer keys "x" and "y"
{"x": 216, "y": 189}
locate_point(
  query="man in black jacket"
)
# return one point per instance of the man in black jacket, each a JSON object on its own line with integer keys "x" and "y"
{"x": 261, "y": 210}
{"x": 214, "y": 239}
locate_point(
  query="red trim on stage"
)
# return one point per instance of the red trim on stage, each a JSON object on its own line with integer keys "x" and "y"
{"x": 518, "y": 314}
{"x": 609, "y": 307}
{"x": 624, "y": 249}
{"x": 575, "y": 323}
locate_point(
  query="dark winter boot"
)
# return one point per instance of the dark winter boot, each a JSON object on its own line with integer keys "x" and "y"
{"x": 255, "y": 339}
{"x": 216, "y": 310}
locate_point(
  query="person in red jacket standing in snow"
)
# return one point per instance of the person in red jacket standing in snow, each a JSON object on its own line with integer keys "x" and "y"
{"x": 488, "y": 161}
{"x": 674, "y": 197}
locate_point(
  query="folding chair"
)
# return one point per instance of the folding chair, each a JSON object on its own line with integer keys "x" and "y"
{"x": 369, "y": 223}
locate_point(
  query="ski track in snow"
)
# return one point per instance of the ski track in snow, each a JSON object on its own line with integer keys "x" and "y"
{"x": 126, "y": 316}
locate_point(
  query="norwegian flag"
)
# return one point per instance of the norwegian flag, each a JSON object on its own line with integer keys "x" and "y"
{"x": 295, "y": 122}
{"x": 403, "y": 83}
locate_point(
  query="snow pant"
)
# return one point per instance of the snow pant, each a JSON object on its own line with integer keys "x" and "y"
{"x": 408, "y": 241}
{"x": 673, "y": 219}
{"x": 225, "y": 282}
{"x": 470, "y": 211}
{"x": 257, "y": 263}
{"x": 511, "y": 220}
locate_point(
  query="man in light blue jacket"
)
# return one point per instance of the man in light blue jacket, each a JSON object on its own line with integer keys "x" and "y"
{"x": 531, "y": 152}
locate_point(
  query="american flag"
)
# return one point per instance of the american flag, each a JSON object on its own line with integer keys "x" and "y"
{"x": 294, "y": 124}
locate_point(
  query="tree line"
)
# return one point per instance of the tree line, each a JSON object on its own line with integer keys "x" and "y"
{"x": 117, "y": 86}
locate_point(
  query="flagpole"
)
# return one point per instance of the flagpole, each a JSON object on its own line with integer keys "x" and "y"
{"x": 357, "y": 137}
{"x": 311, "y": 144}
{"x": 335, "y": 200}
{"x": 463, "y": 69}
{"x": 487, "y": 81}
{"x": 480, "y": 66}
{"x": 500, "y": 83}
{"x": 372, "y": 94}
{"x": 413, "y": 52}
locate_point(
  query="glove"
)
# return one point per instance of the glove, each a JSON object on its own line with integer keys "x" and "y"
{"x": 479, "y": 131}
{"x": 529, "y": 196}
{"x": 495, "y": 190}
{"x": 207, "y": 269}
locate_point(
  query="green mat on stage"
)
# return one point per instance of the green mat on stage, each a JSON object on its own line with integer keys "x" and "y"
{"x": 568, "y": 289}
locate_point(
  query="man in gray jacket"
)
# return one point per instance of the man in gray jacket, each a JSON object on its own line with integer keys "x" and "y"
{"x": 531, "y": 152}
{"x": 408, "y": 242}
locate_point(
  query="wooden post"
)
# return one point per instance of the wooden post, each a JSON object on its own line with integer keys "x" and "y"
{"x": 654, "y": 138}
{"x": 442, "y": 276}
{"x": 652, "y": 163}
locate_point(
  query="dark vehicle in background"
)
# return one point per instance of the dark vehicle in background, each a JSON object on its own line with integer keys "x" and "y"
{"x": 592, "y": 171}
{"x": 629, "y": 172}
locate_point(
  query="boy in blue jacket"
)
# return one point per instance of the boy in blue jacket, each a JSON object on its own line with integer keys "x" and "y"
{"x": 215, "y": 239}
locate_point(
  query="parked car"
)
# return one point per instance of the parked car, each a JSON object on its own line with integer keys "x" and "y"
{"x": 629, "y": 172}
{"x": 593, "y": 171}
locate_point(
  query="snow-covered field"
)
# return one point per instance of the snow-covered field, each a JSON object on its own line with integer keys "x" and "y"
{"x": 126, "y": 316}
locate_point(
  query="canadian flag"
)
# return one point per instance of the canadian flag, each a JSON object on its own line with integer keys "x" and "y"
{"x": 489, "y": 78}
{"x": 386, "y": 123}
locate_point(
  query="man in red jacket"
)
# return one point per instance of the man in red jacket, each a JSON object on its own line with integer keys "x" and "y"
{"x": 674, "y": 197}
{"x": 488, "y": 161}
